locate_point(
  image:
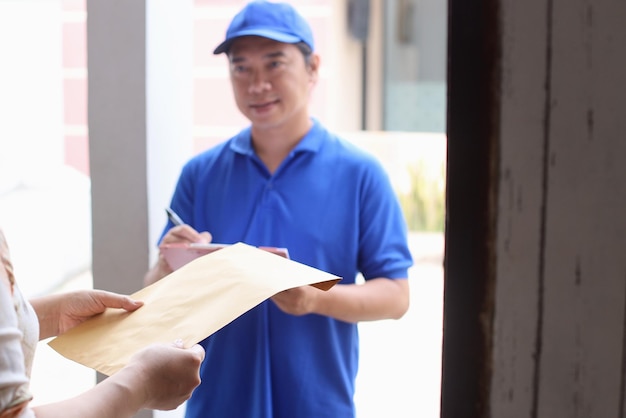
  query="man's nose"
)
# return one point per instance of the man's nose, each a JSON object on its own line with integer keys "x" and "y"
{"x": 259, "y": 83}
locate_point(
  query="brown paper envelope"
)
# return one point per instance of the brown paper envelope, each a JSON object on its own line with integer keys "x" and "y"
{"x": 178, "y": 254}
{"x": 189, "y": 304}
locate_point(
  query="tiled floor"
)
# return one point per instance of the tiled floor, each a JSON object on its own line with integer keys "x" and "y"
{"x": 399, "y": 376}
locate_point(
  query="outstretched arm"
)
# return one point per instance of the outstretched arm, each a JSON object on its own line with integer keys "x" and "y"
{"x": 379, "y": 298}
{"x": 60, "y": 312}
{"x": 158, "y": 377}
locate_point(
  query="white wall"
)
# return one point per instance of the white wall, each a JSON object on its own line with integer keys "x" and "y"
{"x": 30, "y": 74}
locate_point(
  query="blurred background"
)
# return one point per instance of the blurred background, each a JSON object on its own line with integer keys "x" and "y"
{"x": 382, "y": 86}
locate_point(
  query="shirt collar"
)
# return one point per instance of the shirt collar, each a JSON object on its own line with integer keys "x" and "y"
{"x": 312, "y": 141}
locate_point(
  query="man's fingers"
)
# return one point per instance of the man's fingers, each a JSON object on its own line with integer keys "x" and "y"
{"x": 199, "y": 350}
{"x": 196, "y": 348}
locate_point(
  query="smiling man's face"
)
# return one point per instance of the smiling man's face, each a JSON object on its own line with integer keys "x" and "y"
{"x": 271, "y": 81}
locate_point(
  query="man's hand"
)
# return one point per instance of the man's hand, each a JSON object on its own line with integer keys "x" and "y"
{"x": 178, "y": 234}
{"x": 185, "y": 234}
{"x": 299, "y": 300}
{"x": 378, "y": 298}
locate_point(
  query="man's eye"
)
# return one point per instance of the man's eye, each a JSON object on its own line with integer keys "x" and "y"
{"x": 275, "y": 64}
{"x": 239, "y": 69}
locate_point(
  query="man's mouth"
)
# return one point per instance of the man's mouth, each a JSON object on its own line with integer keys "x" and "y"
{"x": 263, "y": 105}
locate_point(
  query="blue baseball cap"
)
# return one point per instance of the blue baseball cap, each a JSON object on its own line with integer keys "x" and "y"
{"x": 273, "y": 20}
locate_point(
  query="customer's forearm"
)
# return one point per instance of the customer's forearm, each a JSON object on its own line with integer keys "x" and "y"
{"x": 47, "y": 309}
{"x": 119, "y": 396}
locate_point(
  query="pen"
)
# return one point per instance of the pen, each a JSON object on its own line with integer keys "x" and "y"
{"x": 173, "y": 217}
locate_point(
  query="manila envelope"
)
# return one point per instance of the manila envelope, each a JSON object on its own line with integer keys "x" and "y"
{"x": 179, "y": 254}
{"x": 190, "y": 304}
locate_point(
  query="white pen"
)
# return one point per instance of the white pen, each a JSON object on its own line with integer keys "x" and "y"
{"x": 176, "y": 220}
{"x": 174, "y": 217}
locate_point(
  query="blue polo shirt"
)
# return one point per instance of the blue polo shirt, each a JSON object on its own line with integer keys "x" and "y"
{"x": 332, "y": 206}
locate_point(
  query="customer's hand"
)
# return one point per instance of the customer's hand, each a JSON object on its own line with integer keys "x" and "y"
{"x": 161, "y": 376}
{"x": 168, "y": 374}
{"x": 76, "y": 307}
{"x": 59, "y": 313}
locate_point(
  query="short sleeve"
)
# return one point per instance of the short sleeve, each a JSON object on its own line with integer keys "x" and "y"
{"x": 14, "y": 380}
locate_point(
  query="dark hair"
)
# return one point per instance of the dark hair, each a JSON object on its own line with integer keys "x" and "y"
{"x": 306, "y": 52}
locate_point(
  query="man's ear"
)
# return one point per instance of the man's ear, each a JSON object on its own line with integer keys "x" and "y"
{"x": 313, "y": 67}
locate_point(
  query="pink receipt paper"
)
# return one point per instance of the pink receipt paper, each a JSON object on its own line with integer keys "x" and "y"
{"x": 190, "y": 304}
{"x": 179, "y": 254}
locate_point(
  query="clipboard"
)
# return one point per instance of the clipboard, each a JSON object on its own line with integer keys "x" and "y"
{"x": 179, "y": 254}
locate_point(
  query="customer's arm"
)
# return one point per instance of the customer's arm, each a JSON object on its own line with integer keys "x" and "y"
{"x": 158, "y": 377}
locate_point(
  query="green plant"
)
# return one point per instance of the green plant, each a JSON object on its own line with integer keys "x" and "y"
{"x": 424, "y": 203}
